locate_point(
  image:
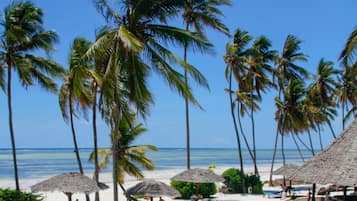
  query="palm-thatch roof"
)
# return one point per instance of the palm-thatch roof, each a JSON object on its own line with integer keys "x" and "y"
{"x": 67, "y": 183}
{"x": 286, "y": 170}
{"x": 198, "y": 175}
{"x": 153, "y": 188}
{"x": 337, "y": 164}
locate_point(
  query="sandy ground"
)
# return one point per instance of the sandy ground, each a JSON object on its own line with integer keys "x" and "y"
{"x": 160, "y": 175}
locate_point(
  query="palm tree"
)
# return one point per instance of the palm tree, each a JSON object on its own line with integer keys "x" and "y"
{"x": 200, "y": 14}
{"x": 74, "y": 90}
{"x": 229, "y": 50}
{"x": 23, "y": 33}
{"x": 138, "y": 29}
{"x": 129, "y": 155}
{"x": 259, "y": 67}
{"x": 235, "y": 59}
{"x": 347, "y": 91}
{"x": 286, "y": 70}
{"x": 290, "y": 115}
{"x": 322, "y": 94}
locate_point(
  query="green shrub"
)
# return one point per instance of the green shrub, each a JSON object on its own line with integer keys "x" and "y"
{"x": 232, "y": 179}
{"x": 13, "y": 195}
{"x": 187, "y": 189}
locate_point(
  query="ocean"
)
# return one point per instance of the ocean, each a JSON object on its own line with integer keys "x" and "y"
{"x": 34, "y": 163}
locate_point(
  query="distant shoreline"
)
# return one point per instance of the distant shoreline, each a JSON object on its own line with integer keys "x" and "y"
{"x": 41, "y": 162}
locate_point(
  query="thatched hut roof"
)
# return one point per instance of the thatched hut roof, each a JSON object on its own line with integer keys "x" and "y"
{"x": 337, "y": 164}
{"x": 67, "y": 183}
{"x": 198, "y": 175}
{"x": 153, "y": 188}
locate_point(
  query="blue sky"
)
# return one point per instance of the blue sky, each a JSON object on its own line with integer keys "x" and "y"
{"x": 322, "y": 25}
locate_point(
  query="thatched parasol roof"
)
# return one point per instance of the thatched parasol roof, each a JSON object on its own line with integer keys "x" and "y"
{"x": 286, "y": 170}
{"x": 67, "y": 183}
{"x": 198, "y": 175}
{"x": 153, "y": 188}
{"x": 337, "y": 164}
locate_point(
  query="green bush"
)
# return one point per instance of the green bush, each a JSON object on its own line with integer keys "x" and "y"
{"x": 187, "y": 189}
{"x": 13, "y": 195}
{"x": 232, "y": 179}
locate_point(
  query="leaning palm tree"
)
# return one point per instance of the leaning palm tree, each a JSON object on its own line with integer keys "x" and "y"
{"x": 235, "y": 59}
{"x": 286, "y": 70}
{"x": 323, "y": 93}
{"x": 200, "y": 14}
{"x": 129, "y": 156}
{"x": 74, "y": 91}
{"x": 23, "y": 33}
{"x": 347, "y": 89}
{"x": 257, "y": 76}
{"x": 290, "y": 116}
{"x": 137, "y": 31}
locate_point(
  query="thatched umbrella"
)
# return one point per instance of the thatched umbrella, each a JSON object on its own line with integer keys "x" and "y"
{"x": 153, "y": 188}
{"x": 337, "y": 164}
{"x": 68, "y": 183}
{"x": 197, "y": 176}
{"x": 286, "y": 170}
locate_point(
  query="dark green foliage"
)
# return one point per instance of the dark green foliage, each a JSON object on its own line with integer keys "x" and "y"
{"x": 233, "y": 181}
{"x": 13, "y": 195}
{"x": 187, "y": 189}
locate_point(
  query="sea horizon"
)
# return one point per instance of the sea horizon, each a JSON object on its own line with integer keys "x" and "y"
{"x": 42, "y": 162}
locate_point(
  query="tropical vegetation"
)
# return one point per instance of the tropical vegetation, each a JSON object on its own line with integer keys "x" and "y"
{"x": 14, "y": 195}
{"x": 22, "y": 35}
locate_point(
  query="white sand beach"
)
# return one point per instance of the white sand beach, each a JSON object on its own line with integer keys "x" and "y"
{"x": 160, "y": 175}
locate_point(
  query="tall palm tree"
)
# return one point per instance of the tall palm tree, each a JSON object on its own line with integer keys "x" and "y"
{"x": 129, "y": 156}
{"x": 138, "y": 29}
{"x": 74, "y": 91}
{"x": 230, "y": 50}
{"x": 23, "y": 33}
{"x": 235, "y": 59}
{"x": 286, "y": 69}
{"x": 259, "y": 68}
{"x": 200, "y": 14}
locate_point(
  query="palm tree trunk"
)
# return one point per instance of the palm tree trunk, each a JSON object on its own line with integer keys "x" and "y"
{"x": 187, "y": 109}
{"x": 76, "y": 150}
{"x": 236, "y": 132}
{"x": 74, "y": 135}
{"x": 311, "y": 146}
{"x": 298, "y": 148}
{"x": 273, "y": 160}
{"x": 283, "y": 155}
{"x": 95, "y": 138}
{"x": 115, "y": 148}
{"x": 303, "y": 143}
{"x": 332, "y": 131}
{"x": 343, "y": 116}
{"x": 12, "y": 134}
{"x": 253, "y": 132}
{"x": 320, "y": 137}
{"x": 254, "y": 148}
{"x": 245, "y": 137}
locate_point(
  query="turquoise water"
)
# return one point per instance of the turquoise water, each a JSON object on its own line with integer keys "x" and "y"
{"x": 33, "y": 163}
